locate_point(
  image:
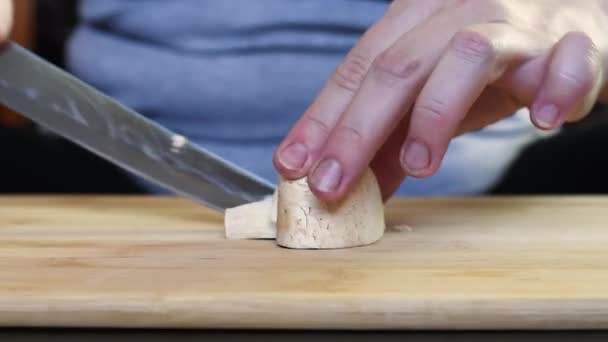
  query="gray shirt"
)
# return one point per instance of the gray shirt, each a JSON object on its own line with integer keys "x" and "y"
{"x": 234, "y": 75}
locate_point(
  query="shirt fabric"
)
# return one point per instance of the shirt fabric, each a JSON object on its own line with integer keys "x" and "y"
{"x": 233, "y": 76}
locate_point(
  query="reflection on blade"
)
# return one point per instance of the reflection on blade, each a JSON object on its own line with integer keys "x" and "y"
{"x": 60, "y": 102}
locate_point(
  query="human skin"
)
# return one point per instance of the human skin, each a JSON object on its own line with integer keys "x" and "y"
{"x": 6, "y": 18}
{"x": 430, "y": 70}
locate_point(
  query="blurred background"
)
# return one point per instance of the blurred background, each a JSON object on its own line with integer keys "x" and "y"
{"x": 33, "y": 161}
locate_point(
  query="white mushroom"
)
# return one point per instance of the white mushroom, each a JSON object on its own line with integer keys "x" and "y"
{"x": 305, "y": 222}
{"x": 256, "y": 220}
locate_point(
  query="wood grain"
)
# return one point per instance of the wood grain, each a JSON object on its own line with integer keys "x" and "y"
{"x": 462, "y": 263}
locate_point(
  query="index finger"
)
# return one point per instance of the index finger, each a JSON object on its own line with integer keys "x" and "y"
{"x": 302, "y": 146}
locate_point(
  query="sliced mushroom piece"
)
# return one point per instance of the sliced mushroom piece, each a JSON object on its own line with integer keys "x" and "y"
{"x": 304, "y": 222}
{"x": 256, "y": 220}
{"x": 297, "y": 219}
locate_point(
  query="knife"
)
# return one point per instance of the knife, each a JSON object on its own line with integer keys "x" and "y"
{"x": 60, "y": 102}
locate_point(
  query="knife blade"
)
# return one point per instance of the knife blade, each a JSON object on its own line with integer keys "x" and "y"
{"x": 75, "y": 110}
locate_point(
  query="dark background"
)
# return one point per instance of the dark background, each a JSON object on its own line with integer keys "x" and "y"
{"x": 573, "y": 162}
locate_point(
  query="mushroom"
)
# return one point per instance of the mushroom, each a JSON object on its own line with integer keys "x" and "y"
{"x": 296, "y": 218}
{"x": 256, "y": 220}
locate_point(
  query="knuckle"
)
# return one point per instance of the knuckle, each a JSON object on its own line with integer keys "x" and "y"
{"x": 350, "y": 73}
{"x": 395, "y": 65}
{"x": 347, "y": 134}
{"x": 317, "y": 124}
{"x": 473, "y": 46}
{"x": 432, "y": 110}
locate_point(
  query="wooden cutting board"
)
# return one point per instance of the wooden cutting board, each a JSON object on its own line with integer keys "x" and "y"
{"x": 477, "y": 263}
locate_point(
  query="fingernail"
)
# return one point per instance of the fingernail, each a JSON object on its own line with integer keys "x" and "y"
{"x": 415, "y": 156}
{"x": 327, "y": 176}
{"x": 547, "y": 117}
{"x": 294, "y": 156}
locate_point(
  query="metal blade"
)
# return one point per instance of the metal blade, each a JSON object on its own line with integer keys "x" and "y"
{"x": 55, "y": 99}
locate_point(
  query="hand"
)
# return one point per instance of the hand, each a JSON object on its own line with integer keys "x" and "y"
{"x": 430, "y": 70}
{"x": 6, "y": 19}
